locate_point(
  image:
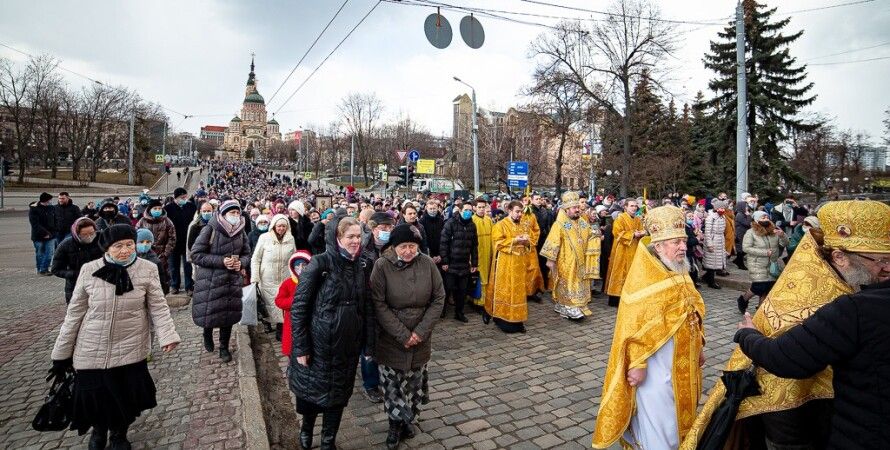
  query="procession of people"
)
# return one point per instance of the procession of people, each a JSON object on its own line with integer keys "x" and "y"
{"x": 349, "y": 280}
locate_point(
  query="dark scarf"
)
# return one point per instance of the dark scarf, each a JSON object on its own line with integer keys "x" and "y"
{"x": 117, "y": 275}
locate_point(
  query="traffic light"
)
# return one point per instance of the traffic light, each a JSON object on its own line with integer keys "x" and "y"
{"x": 402, "y": 175}
{"x": 410, "y": 175}
{"x": 7, "y": 168}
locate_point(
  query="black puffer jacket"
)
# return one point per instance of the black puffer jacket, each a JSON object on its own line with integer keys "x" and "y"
{"x": 545, "y": 222}
{"x": 182, "y": 217}
{"x": 331, "y": 319}
{"x": 742, "y": 224}
{"x": 65, "y": 216}
{"x": 852, "y": 334}
{"x": 43, "y": 222}
{"x": 217, "y": 298}
{"x": 459, "y": 247}
{"x": 70, "y": 256}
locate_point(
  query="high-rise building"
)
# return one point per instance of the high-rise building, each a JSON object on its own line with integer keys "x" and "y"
{"x": 250, "y": 134}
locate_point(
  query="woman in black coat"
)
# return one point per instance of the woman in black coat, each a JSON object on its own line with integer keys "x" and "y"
{"x": 331, "y": 320}
{"x": 75, "y": 250}
{"x": 221, "y": 255}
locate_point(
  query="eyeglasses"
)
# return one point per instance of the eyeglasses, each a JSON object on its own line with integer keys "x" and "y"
{"x": 881, "y": 261}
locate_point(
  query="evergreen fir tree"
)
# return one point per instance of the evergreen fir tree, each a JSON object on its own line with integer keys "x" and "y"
{"x": 777, "y": 91}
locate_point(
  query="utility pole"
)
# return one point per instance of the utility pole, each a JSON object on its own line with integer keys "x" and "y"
{"x": 741, "y": 143}
{"x": 132, "y": 143}
{"x": 475, "y": 148}
{"x": 164, "y": 141}
{"x": 352, "y": 163}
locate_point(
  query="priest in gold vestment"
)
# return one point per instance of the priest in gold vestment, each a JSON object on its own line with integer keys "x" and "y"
{"x": 484, "y": 225}
{"x": 535, "y": 277}
{"x": 793, "y": 412}
{"x": 505, "y": 300}
{"x": 653, "y": 379}
{"x": 572, "y": 250}
{"x": 627, "y": 230}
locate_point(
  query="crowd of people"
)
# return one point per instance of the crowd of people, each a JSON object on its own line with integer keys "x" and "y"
{"x": 351, "y": 281}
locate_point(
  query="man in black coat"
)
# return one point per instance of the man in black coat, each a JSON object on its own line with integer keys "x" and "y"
{"x": 433, "y": 223}
{"x": 66, "y": 213}
{"x": 42, "y": 218}
{"x": 459, "y": 249}
{"x": 545, "y": 222}
{"x": 109, "y": 215}
{"x": 181, "y": 212}
{"x": 851, "y": 334}
{"x": 743, "y": 211}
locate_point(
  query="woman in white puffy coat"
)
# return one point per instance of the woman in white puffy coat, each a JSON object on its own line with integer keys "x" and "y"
{"x": 269, "y": 266}
{"x": 714, "y": 243}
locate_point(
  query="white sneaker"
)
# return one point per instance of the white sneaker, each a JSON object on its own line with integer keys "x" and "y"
{"x": 573, "y": 313}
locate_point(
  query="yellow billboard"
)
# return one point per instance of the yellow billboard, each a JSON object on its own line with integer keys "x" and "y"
{"x": 426, "y": 166}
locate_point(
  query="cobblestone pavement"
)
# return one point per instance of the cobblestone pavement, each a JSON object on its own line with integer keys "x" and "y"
{"x": 536, "y": 390}
{"x": 198, "y": 400}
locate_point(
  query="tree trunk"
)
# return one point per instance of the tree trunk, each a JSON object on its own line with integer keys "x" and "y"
{"x": 625, "y": 140}
{"x": 562, "y": 144}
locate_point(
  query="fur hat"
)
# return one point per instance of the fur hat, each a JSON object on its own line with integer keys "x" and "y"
{"x": 404, "y": 233}
{"x": 115, "y": 233}
{"x": 380, "y": 218}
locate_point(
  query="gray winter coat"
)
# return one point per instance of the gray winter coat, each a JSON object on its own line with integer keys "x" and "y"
{"x": 756, "y": 245}
{"x": 217, "y": 298}
{"x": 407, "y": 298}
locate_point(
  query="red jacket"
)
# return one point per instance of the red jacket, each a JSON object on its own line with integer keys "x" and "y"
{"x": 284, "y": 300}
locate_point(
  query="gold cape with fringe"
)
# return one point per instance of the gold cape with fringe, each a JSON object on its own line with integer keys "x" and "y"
{"x": 807, "y": 283}
{"x": 575, "y": 247}
{"x": 656, "y": 305}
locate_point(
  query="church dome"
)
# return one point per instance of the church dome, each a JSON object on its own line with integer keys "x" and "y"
{"x": 235, "y": 119}
{"x": 272, "y": 122}
{"x": 254, "y": 97}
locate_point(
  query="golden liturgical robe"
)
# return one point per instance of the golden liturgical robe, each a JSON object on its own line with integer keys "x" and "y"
{"x": 535, "y": 277}
{"x": 575, "y": 247}
{"x": 624, "y": 246}
{"x": 807, "y": 283}
{"x": 483, "y": 232}
{"x": 729, "y": 231}
{"x": 506, "y": 295}
{"x": 656, "y": 305}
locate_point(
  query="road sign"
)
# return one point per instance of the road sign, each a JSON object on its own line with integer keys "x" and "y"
{"x": 517, "y": 174}
{"x": 426, "y": 166}
{"x": 159, "y": 158}
{"x": 414, "y": 155}
{"x": 402, "y": 155}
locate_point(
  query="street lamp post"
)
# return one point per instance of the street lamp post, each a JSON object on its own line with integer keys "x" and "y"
{"x": 475, "y": 138}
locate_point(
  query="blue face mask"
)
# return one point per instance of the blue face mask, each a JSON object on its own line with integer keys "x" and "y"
{"x": 383, "y": 237}
{"x": 181, "y": 201}
{"x": 155, "y": 213}
{"x": 206, "y": 216}
{"x": 263, "y": 227}
{"x": 466, "y": 215}
{"x": 689, "y": 221}
{"x": 143, "y": 248}
{"x": 125, "y": 262}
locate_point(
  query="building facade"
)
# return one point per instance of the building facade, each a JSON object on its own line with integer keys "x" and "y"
{"x": 250, "y": 133}
{"x": 214, "y": 134}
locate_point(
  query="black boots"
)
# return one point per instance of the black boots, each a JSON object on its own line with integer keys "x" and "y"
{"x": 225, "y": 355}
{"x": 742, "y": 304}
{"x": 208, "y": 339}
{"x": 98, "y": 439}
{"x": 486, "y": 317}
{"x": 395, "y": 434}
{"x": 306, "y": 431}
{"x": 329, "y": 426}
{"x": 119, "y": 439}
{"x": 709, "y": 279}
{"x": 278, "y": 329}
{"x": 614, "y": 301}
{"x": 408, "y": 431}
{"x": 460, "y": 317}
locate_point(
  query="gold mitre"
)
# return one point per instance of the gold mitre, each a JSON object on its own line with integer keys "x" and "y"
{"x": 665, "y": 222}
{"x": 860, "y": 226}
{"x": 570, "y": 199}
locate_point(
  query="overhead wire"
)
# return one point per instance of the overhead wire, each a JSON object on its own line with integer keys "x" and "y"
{"x": 480, "y": 11}
{"x": 880, "y": 58}
{"x": 308, "y": 50}
{"x": 309, "y": 77}
{"x": 848, "y": 51}
{"x": 613, "y": 14}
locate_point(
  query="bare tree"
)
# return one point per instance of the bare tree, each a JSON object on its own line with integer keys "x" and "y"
{"x": 21, "y": 93}
{"x": 604, "y": 61}
{"x": 360, "y": 114}
{"x": 51, "y": 120}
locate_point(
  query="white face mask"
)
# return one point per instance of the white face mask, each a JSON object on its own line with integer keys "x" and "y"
{"x": 234, "y": 220}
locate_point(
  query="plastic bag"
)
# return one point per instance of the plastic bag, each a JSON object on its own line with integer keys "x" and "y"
{"x": 248, "y": 305}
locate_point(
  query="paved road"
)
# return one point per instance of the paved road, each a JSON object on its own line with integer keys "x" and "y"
{"x": 198, "y": 400}
{"x": 535, "y": 390}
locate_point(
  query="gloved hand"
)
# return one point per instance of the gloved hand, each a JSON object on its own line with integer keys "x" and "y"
{"x": 60, "y": 368}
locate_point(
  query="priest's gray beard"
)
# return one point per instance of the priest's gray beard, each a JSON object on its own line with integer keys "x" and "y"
{"x": 673, "y": 266}
{"x": 857, "y": 275}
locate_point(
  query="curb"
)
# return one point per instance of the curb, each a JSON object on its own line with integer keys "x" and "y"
{"x": 255, "y": 433}
{"x": 734, "y": 283}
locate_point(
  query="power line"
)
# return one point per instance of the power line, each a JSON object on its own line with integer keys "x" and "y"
{"x": 848, "y": 51}
{"x": 93, "y": 80}
{"x": 308, "y": 50}
{"x": 820, "y": 8}
{"x": 483, "y": 12}
{"x": 611, "y": 14}
{"x": 850, "y": 62}
{"x": 329, "y": 55}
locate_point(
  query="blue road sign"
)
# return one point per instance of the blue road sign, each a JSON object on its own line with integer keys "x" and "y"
{"x": 414, "y": 155}
{"x": 517, "y": 174}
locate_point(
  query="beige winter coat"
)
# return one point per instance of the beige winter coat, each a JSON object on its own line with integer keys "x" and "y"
{"x": 102, "y": 330}
{"x": 269, "y": 265}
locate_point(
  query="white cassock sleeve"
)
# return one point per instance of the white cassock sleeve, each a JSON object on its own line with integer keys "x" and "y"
{"x": 654, "y": 426}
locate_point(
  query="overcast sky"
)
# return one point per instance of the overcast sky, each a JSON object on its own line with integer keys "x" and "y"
{"x": 193, "y": 56}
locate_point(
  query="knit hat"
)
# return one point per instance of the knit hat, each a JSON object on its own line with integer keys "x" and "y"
{"x": 144, "y": 234}
{"x": 812, "y": 221}
{"x": 404, "y": 233}
{"x": 326, "y": 212}
{"x": 297, "y": 206}
{"x": 380, "y": 218}
{"x": 45, "y": 197}
{"x": 719, "y": 204}
{"x": 261, "y": 218}
{"x": 115, "y": 233}
{"x": 179, "y": 192}
{"x": 759, "y": 215}
{"x": 229, "y": 205}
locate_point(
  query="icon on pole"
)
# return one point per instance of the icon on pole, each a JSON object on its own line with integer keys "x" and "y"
{"x": 437, "y": 30}
{"x": 471, "y": 31}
